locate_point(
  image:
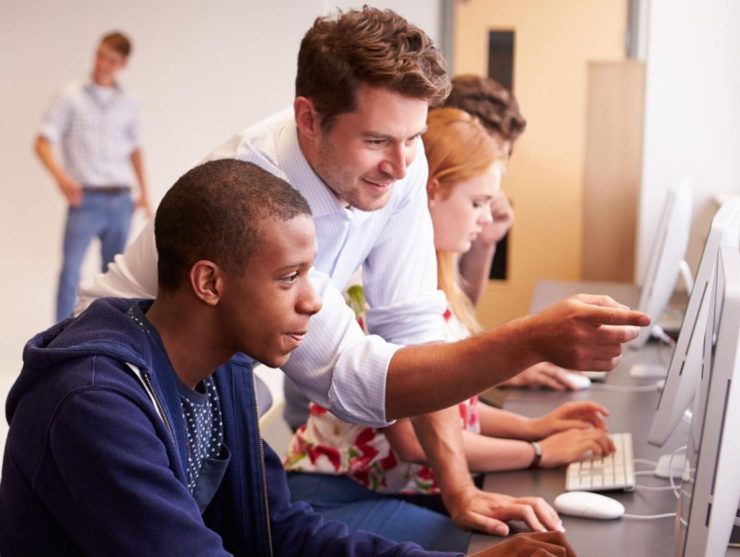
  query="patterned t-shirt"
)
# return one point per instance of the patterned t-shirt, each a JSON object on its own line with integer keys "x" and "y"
{"x": 326, "y": 444}
{"x": 201, "y": 409}
{"x": 202, "y": 414}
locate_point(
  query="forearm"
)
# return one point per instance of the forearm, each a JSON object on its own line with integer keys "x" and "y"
{"x": 45, "y": 154}
{"x": 491, "y": 454}
{"x": 441, "y": 437}
{"x": 137, "y": 161}
{"x": 581, "y": 332}
{"x": 495, "y": 422}
{"x": 432, "y": 376}
{"x": 475, "y": 268}
{"x": 482, "y": 453}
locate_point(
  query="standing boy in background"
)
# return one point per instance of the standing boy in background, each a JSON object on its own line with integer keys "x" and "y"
{"x": 96, "y": 125}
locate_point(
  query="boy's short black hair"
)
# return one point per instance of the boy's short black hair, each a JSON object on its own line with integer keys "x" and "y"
{"x": 215, "y": 212}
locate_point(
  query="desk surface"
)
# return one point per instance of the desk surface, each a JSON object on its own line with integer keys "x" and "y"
{"x": 630, "y": 411}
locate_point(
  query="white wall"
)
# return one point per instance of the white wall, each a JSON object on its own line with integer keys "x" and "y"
{"x": 202, "y": 71}
{"x": 692, "y": 111}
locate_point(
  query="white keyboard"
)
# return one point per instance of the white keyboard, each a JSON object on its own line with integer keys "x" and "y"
{"x": 616, "y": 471}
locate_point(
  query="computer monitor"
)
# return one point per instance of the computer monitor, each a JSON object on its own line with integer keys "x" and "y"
{"x": 685, "y": 365}
{"x": 666, "y": 256}
{"x": 708, "y": 501}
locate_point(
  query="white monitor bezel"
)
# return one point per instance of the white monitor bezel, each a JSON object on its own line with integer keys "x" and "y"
{"x": 685, "y": 364}
{"x": 708, "y": 501}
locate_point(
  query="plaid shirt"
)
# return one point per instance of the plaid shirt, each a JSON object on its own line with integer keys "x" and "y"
{"x": 98, "y": 129}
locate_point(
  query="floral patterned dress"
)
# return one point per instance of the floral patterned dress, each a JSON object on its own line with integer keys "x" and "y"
{"x": 328, "y": 445}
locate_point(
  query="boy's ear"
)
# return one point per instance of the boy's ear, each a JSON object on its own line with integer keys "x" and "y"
{"x": 433, "y": 191}
{"x": 306, "y": 117}
{"x": 206, "y": 280}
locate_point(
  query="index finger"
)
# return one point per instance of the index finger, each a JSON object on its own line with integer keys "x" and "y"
{"x": 613, "y": 315}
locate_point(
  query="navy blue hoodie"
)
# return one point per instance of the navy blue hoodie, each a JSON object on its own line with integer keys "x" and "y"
{"x": 94, "y": 461}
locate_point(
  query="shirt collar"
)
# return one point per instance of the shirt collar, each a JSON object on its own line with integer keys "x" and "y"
{"x": 90, "y": 88}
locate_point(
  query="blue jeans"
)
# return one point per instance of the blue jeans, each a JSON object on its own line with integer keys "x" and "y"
{"x": 342, "y": 499}
{"x": 105, "y": 215}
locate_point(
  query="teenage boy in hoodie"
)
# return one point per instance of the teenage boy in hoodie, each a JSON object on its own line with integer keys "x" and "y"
{"x": 134, "y": 429}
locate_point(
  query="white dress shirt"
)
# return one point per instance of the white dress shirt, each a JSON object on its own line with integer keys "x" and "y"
{"x": 336, "y": 365}
{"x": 97, "y": 129}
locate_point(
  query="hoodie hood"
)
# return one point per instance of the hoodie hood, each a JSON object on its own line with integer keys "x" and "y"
{"x": 103, "y": 329}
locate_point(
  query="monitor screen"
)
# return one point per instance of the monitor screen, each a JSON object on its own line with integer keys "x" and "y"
{"x": 669, "y": 248}
{"x": 685, "y": 365}
{"x": 709, "y": 499}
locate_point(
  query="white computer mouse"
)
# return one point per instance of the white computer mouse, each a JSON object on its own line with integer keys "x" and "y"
{"x": 589, "y": 505}
{"x": 577, "y": 381}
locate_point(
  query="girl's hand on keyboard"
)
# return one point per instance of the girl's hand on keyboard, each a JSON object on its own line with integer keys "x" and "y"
{"x": 575, "y": 444}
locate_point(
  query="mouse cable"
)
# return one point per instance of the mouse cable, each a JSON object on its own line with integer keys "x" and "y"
{"x": 648, "y": 516}
{"x": 676, "y": 488}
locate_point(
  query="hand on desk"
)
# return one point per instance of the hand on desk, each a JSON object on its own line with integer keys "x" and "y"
{"x": 541, "y": 544}
{"x": 474, "y": 509}
{"x": 542, "y": 375}
{"x": 583, "y": 332}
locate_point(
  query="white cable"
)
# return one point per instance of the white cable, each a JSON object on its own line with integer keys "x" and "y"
{"x": 653, "y": 487}
{"x": 648, "y": 516}
{"x": 627, "y": 388}
{"x": 676, "y": 489}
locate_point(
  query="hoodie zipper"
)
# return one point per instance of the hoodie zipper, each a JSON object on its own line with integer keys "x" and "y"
{"x": 159, "y": 406}
{"x": 263, "y": 471}
{"x": 144, "y": 378}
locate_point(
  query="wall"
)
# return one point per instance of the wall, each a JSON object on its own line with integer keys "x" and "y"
{"x": 692, "y": 112}
{"x": 553, "y": 43}
{"x": 202, "y": 72}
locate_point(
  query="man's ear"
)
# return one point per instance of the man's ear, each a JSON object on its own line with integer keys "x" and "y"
{"x": 206, "y": 280}
{"x": 306, "y": 117}
{"x": 434, "y": 190}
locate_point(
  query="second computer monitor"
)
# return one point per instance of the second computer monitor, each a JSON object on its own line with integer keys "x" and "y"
{"x": 668, "y": 251}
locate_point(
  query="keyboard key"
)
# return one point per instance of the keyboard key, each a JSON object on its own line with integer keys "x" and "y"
{"x": 615, "y": 471}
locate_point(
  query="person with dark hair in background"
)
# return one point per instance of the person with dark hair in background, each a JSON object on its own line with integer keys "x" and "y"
{"x": 96, "y": 126}
{"x": 133, "y": 427}
{"x": 498, "y": 111}
{"x": 351, "y": 145}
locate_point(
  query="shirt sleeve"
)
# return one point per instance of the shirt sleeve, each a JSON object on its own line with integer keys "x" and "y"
{"x": 57, "y": 118}
{"x": 134, "y": 128}
{"x": 400, "y": 273}
{"x": 120, "y": 499}
{"x": 132, "y": 274}
{"x": 337, "y": 365}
